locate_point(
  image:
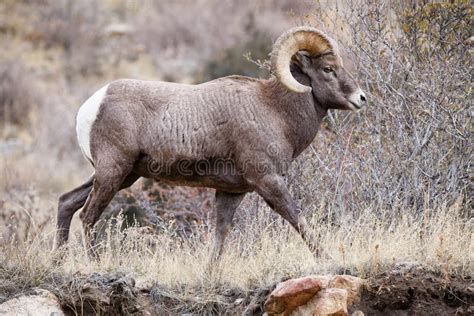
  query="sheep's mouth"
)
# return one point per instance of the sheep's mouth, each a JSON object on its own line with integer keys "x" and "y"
{"x": 357, "y": 106}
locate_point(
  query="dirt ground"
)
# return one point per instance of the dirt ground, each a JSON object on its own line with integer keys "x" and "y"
{"x": 406, "y": 291}
{"x": 417, "y": 292}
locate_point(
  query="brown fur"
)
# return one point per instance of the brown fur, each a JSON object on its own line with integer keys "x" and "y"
{"x": 165, "y": 131}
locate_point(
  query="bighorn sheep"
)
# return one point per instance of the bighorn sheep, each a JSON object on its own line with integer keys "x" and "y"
{"x": 182, "y": 133}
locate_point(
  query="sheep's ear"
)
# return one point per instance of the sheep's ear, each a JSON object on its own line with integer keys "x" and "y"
{"x": 302, "y": 59}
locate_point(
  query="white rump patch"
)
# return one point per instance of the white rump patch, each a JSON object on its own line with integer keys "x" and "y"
{"x": 86, "y": 117}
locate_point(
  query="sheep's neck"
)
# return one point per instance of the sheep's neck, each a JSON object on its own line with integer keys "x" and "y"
{"x": 302, "y": 115}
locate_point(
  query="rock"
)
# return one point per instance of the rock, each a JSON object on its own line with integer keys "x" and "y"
{"x": 352, "y": 284}
{"x": 292, "y": 293}
{"x": 327, "y": 302}
{"x": 325, "y": 279}
{"x": 40, "y": 302}
{"x": 315, "y": 295}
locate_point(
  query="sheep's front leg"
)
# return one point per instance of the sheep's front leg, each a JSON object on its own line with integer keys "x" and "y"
{"x": 274, "y": 191}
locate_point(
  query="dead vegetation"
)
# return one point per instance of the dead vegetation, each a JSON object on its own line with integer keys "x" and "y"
{"x": 173, "y": 270}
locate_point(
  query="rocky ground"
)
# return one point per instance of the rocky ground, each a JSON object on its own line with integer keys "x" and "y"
{"x": 408, "y": 289}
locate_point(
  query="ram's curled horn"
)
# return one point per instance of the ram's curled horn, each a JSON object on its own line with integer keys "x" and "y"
{"x": 289, "y": 43}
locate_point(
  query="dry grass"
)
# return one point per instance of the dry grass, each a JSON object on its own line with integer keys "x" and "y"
{"x": 263, "y": 252}
{"x": 258, "y": 254}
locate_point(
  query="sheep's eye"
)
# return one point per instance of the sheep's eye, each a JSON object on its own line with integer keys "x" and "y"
{"x": 328, "y": 69}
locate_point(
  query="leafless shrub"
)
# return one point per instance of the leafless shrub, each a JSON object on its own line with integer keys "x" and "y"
{"x": 411, "y": 146}
{"x": 161, "y": 207}
{"x": 21, "y": 217}
{"x": 18, "y": 93}
{"x": 76, "y": 27}
{"x": 234, "y": 61}
{"x": 181, "y": 35}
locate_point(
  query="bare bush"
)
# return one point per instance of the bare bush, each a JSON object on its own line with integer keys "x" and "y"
{"x": 22, "y": 217}
{"x": 76, "y": 27}
{"x": 18, "y": 93}
{"x": 233, "y": 61}
{"x": 181, "y": 35}
{"x": 160, "y": 207}
{"x": 411, "y": 146}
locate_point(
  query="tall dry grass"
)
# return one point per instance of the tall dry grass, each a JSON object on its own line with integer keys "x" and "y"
{"x": 256, "y": 256}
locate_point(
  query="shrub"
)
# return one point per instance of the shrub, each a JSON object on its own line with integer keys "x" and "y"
{"x": 75, "y": 27}
{"x": 160, "y": 207}
{"x": 411, "y": 145}
{"x": 18, "y": 94}
{"x": 233, "y": 61}
{"x": 187, "y": 36}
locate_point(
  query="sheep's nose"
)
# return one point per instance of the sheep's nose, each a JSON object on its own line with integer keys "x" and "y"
{"x": 357, "y": 99}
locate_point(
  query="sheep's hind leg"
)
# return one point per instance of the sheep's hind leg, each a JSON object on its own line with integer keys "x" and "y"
{"x": 274, "y": 191}
{"x": 226, "y": 205}
{"x": 69, "y": 203}
{"x": 108, "y": 181}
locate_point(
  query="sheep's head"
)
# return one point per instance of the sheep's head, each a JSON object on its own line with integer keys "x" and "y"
{"x": 317, "y": 56}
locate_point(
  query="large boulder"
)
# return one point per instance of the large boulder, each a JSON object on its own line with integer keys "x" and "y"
{"x": 38, "y": 302}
